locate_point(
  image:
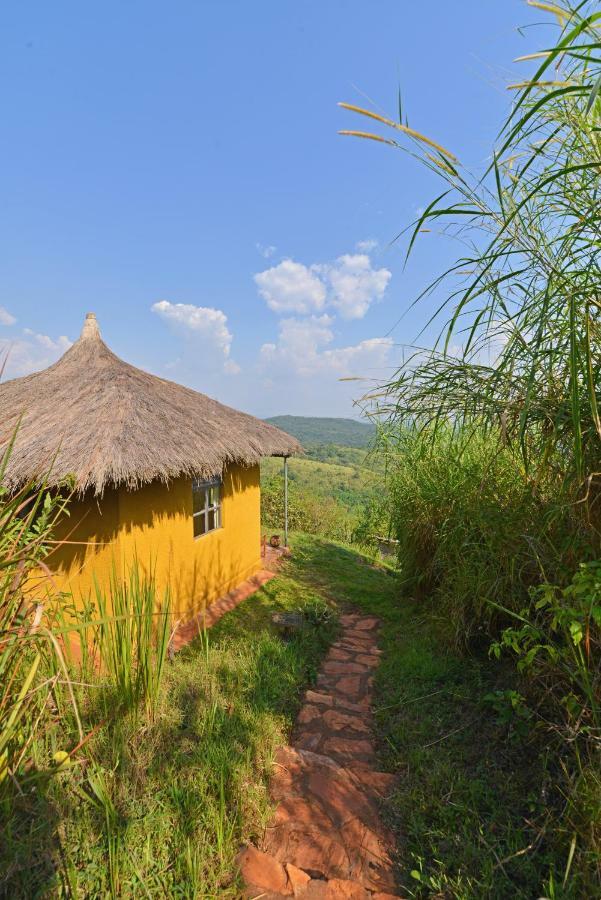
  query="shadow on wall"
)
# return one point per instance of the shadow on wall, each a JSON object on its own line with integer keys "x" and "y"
{"x": 154, "y": 527}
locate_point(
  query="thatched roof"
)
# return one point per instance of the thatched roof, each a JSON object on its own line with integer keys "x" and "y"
{"x": 102, "y": 422}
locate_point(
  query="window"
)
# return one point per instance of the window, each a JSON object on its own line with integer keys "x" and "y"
{"x": 206, "y": 506}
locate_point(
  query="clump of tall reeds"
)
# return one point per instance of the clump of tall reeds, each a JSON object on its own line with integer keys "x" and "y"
{"x": 498, "y": 489}
{"x": 132, "y": 636}
{"x": 520, "y": 350}
{"x": 474, "y": 530}
{"x": 66, "y": 672}
{"x": 30, "y": 654}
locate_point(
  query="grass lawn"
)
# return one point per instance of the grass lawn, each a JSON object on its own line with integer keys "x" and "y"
{"x": 161, "y": 808}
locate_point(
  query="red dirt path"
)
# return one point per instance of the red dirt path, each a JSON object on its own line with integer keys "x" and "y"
{"x": 326, "y": 840}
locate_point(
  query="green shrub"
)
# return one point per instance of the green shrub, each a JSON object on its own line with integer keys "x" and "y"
{"x": 556, "y": 642}
{"x": 475, "y": 531}
{"x": 307, "y": 512}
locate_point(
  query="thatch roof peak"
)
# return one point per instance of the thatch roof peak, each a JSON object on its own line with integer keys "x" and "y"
{"x": 103, "y": 422}
{"x": 90, "y": 329}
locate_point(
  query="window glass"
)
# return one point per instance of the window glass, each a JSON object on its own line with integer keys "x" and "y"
{"x": 206, "y": 506}
{"x": 198, "y": 500}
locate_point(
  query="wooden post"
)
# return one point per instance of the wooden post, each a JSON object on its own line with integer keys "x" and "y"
{"x": 285, "y": 501}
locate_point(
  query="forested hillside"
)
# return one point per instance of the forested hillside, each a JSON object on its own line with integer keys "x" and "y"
{"x": 315, "y": 430}
{"x": 335, "y": 489}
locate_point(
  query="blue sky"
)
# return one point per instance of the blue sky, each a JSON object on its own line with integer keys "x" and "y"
{"x": 176, "y": 168}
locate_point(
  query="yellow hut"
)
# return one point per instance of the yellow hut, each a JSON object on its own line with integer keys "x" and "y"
{"x": 161, "y": 474}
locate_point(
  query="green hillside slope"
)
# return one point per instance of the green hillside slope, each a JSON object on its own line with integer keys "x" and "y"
{"x": 316, "y": 430}
{"x": 350, "y": 485}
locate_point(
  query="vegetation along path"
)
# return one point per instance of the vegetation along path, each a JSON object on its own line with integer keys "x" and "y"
{"x": 160, "y": 806}
{"x": 326, "y": 839}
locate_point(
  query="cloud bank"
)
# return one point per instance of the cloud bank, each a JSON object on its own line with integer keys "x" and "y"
{"x": 350, "y": 285}
{"x": 205, "y": 326}
{"x": 30, "y": 352}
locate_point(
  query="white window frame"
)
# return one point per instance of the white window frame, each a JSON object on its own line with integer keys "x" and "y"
{"x": 203, "y": 515}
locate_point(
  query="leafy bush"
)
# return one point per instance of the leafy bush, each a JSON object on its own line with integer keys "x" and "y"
{"x": 474, "y": 530}
{"x": 557, "y": 642}
{"x": 306, "y": 511}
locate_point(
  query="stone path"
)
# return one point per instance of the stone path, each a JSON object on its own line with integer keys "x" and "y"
{"x": 326, "y": 840}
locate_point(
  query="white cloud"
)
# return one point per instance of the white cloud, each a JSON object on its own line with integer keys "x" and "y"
{"x": 355, "y": 284}
{"x": 349, "y": 284}
{"x": 6, "y": 318}
{"x": 32, "y": 352}
{"x": 204, "y": 325}
{"x": 366, "y": 246}
{"x": 300, "y": 350}
{"x": 291, "y": 287}
{"x": 230, "y": 367}
{"x": 266, "y": 251}
{"x": 298, "y": 343}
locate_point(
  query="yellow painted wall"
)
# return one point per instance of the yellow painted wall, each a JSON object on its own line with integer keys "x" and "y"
{"x": 89, "y": 547}
{"x": 154, "y": 525}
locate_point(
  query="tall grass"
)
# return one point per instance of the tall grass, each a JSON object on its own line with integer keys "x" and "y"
{"x": 50, "y": 696}
{"x": 132, "y": 636}
{"x": 497, "y": 488}
{"x": 474, "y": 530}
{"x": 519, "y": 342}
{"x": 29, "y": 652}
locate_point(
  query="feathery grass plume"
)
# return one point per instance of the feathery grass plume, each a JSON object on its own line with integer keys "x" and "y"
{"x": 521, "y": 335}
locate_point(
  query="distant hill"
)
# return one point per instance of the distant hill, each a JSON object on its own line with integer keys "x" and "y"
{"x": 314, "y": 430}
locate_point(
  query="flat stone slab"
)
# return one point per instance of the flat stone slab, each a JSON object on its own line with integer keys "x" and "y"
{"x": 326, "y": 840}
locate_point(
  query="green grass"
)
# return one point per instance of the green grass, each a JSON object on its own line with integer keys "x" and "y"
{"x": 160, "y": 807}
{"x": 472, "y": 789}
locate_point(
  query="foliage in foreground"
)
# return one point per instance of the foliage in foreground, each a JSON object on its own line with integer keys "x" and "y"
{"x": 31, "y": 661}
{"x": 475, "y": 532}
{"x": 482, "y": 548}
{"x": 161, "y": 795}
{"x": 507, "y": 524}
{"x": 473, "y": 808}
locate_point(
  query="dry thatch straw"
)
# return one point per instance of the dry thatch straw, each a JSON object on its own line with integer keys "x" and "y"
{"x": 97, "y": 420}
